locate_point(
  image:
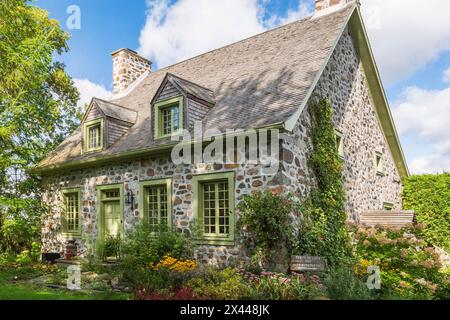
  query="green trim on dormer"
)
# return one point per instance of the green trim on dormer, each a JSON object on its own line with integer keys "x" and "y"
{"x": 87, "y": 126}
{"x": 175, "y": 129}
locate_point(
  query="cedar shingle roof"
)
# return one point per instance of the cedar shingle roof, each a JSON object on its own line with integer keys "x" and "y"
{"x": 256, "y": 82}
{"x": 115, "y": 111}
{"x": 194, "y": 89}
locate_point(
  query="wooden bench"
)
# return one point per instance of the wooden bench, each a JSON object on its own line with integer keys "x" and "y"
{"x": 390, "y": 219}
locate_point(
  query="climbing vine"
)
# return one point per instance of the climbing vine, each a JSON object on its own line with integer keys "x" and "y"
{"x": 322, "y": 228}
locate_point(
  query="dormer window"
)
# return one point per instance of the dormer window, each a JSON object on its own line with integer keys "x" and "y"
{"x": 169, "y": 117}
{"x": 93, "y": 135}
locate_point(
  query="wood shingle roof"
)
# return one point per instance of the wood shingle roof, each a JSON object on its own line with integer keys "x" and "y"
{"x": 253, "y": 83}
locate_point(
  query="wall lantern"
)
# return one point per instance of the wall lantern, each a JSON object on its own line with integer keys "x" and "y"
{"x": 129, "y": 199}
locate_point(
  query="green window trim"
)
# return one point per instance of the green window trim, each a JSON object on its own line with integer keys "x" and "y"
{"x": 156, "y": 184}
{"x": 87, "y": 126}
{"x": 199, "y": 181}
{"x": 388, "y": 206}
{"x": 100, "y": 191}
{"x": 340, "y": 144}
{"x": 159, "y": 108}
{"x": 379, "y": 164}
{"x": 71, "y": 204}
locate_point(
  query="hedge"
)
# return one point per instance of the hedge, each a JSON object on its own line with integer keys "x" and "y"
{"x": 429, "y": 197}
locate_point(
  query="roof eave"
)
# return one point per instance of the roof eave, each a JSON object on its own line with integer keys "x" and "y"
{"x": 134, "y": 154}
{"x": 376, "y": 87}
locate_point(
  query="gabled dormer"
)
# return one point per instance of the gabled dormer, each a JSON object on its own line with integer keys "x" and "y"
{"x": 104, "y": 123}
{"x": 177, "y": 104}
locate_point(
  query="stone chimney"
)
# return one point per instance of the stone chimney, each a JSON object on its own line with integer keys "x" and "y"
{"x": 324, "y": 4}
{"x": 128, "y": 66}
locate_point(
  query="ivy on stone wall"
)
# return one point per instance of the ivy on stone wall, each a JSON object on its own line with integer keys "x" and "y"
{"x": 323, "y": 224}
{"x": 429, "y": 197}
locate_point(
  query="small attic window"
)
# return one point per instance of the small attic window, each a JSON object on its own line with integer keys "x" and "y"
{"x": 93, "y": 135}
{"x": 169, "y": 117}
{"x": 340, "y": 144}
{"x": 379, "y": 163}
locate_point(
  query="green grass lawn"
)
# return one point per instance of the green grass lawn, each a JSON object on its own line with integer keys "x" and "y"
{"x": 20, "y": 289}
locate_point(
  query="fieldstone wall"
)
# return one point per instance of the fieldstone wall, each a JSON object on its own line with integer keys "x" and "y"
{"x": 343, "y": 82}
{"x": 248, "y": 178}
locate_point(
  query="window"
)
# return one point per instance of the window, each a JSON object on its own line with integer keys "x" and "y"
{"x": 388, "y": 206}
{"x": 169, "y": 117}
{"x": 71, "y": 213}
{"x": 340, "y": 144}
{"x": 156, "y": 200}
{"x": 214, "y": 207}
{"x": 379, "y": 163}
{"x": 93, "y": 135}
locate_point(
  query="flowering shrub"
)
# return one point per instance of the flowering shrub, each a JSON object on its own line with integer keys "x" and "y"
{"x": 348, "y": 281}
{"x": 277, "y": 286}
{"x": 183, "y": 293}
{"x": 409, "y": 269}
{"x": 214, "y": 284}
{"x": 178, "y": 265}
{"x": 233, "y": 284}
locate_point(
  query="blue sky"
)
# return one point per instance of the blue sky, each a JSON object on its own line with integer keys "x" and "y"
{"x": 410, "y": 38}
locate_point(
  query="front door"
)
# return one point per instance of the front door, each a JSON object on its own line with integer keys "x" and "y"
{"x": 112, "y": 219}
{"x": 111, "y": 211}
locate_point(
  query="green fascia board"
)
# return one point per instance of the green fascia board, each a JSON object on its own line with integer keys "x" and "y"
{"x": 196, "y": 206}
{"x": 73, "y": 235}
{"x": 104, "y": 159}
{"x": 130, "y": 155}
{"x": 166, "y": 104}
{"x": 359, "y": 34}
{"x": 151, "y": 183}
{"x": 378, "y": 94}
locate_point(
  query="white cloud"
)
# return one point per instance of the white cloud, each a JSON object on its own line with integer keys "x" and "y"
{"x": 406, "y": 34}
{"x": 292, "y": 15}
{"x": 426, "y": 113}
{"x": 174, "y": 32}
{"x": 447, "y": 76}
{"x": 88, "y": 90}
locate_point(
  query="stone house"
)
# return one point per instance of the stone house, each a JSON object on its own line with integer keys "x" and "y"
{"x": 118, "y": 167}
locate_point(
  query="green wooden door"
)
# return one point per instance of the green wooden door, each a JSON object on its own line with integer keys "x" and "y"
{"x": 112, "y": 218}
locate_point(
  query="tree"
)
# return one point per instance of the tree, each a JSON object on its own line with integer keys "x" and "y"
{"x": 37, "y": 98}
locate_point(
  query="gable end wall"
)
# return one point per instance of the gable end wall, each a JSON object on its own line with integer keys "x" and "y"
{"x": 344, "y": 83}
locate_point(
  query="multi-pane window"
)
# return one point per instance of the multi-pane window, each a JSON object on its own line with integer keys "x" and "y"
{"x": 93, "y": 135}
{"x": 156, "y": 207}
{"x": 216, "y": 208}
{"x": 111, "y": 194}
{"x": 213, "y": 207}
{"x": 170, "y": 119}
{"x": 71, "y": 212}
